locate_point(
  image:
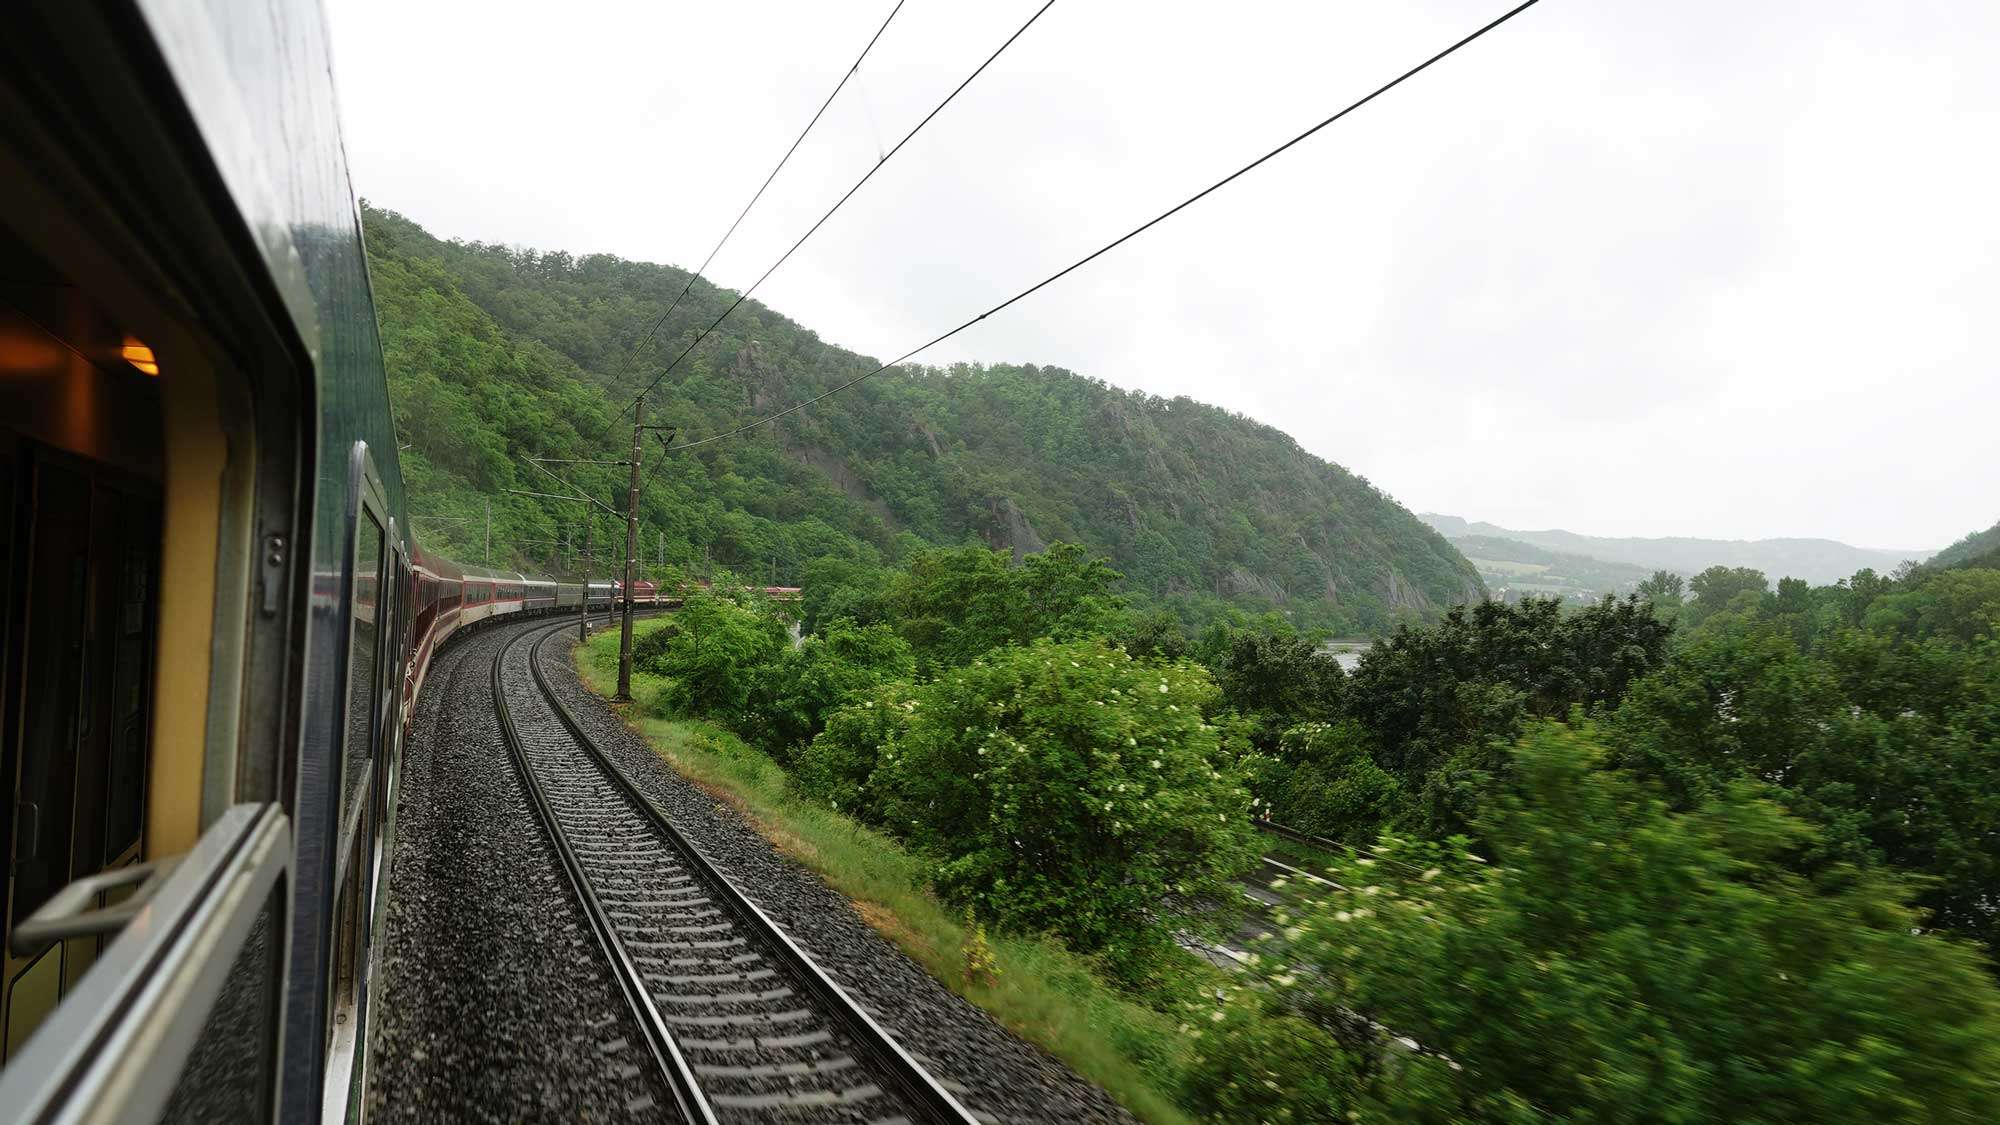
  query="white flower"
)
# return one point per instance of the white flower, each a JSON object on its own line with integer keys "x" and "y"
{"x": 1215, "y": 1016}
{"x": 1130, "y": 741}
{"x": 1163, "y": 687}
{"x": 1156, "y": 763}
{"x": 1431, "y": 874}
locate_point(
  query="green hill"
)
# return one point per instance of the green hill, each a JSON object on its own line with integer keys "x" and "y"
{"x": 496, "y": 352}
{"x": 1979, "y": 549}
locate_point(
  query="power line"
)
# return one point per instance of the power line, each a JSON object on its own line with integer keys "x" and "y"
{"x": 745, "y": 295}
{"x": 703, "y": 268}
{"x": 1121, "y": 239}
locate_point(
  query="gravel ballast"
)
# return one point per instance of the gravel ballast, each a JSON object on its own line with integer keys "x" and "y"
{"x": 491, "y": 1001}
{"x": 999, "y": 1076}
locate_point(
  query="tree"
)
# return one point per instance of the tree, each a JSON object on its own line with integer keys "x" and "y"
{"x": 795, "y": 693}
{"x": 953, "y": 605}
{"x": 1443, "y": 701}
{"x": 1891, "y": 746}
{"x": 1616, "y": 961}
{"x": 1323, "y": 780}
{"x": 1277, "y": 679}
{"x": 1666, "y": 591}
{"x": 712, "y": 658}
{"x": 834, "y": 587}
{"x": 1718, "y": 587}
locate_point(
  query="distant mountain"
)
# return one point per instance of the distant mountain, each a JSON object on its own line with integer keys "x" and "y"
{"x": 1512, "y": 570}
{"x": 1819, "y": 561}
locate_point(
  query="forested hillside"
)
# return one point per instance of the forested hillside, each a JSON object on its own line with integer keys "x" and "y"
{"x": 494, "y": 353}
{"x": 1979, "y": 549}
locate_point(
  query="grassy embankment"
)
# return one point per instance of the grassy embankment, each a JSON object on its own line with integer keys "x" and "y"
{"x": 1042, "y": 992}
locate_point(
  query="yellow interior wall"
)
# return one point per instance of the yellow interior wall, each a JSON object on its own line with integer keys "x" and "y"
{"x": 196, "y": 455}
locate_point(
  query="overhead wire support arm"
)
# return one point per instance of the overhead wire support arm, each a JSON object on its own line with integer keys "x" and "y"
{"x": 874, "y": 168}
{"x": 572, "y": 461}
{"x": 1116, "y": 242}
{"x": 851, "y": 71}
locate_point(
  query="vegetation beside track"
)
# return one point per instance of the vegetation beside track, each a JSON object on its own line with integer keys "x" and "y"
{"x": 1041, "y": 991}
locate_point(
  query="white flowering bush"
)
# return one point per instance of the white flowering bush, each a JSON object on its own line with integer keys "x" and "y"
{"x": 1063, "y": 787}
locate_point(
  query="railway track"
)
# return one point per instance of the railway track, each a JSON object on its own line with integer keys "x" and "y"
{"x": 740, "y": 1022}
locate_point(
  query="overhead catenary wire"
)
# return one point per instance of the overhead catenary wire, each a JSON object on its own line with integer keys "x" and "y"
{"x": 1121, "y": 239}
{"x": 876, "y": 167}
{"x": 761, "y": 188}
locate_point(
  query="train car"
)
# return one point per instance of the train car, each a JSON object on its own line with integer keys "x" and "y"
{"x": 216, "y": 623}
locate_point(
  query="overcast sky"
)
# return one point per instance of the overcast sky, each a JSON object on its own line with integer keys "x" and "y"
{"x": 1712, "y": 267}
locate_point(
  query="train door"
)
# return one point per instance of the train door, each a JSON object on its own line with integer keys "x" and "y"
{"x": 79, "y": 636}
{"x": 341, "y": 806}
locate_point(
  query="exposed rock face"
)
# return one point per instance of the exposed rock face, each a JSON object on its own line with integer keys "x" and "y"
{"x": 838, "y": 472}
{"x": 1238, "y": 581}
{"x": 1010, "y": 529}
{"x": 767, "y": 387}
{"x": 1402, "y": 595}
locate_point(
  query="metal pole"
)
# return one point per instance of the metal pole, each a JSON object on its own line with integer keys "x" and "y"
{"x": 583, "y": 607}
{"x": 489, "y": 531}
{"x": 631, "y": 554}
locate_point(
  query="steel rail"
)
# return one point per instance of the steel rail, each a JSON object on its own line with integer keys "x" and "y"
{"x": 915, "y": 1086}
{"x": 674, "y": 1067}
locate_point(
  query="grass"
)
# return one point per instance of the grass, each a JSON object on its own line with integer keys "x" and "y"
{"x": 1042, "y": 992}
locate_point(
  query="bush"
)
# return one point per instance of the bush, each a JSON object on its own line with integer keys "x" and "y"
{"x": 1617, "y": 961}
{"x": 715, "y": 650}
{"x": 1278, "y": 679}
{"x": 837, "y": 766}
{"x": 1325, "y": 782}
{"x": 797, "y": 692}
{"x": 1254, "y": 1065}
{"x": 1069, "y": 787}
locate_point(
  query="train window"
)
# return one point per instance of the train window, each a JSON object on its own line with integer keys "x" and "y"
{"x": 58, "y": 570}
{"x": 131, "y": 676}
{"x": 81, "y": 635}
{"x": 361, "y": 658}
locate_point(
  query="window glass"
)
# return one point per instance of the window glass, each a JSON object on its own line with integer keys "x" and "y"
{"x": 361, "y": 672}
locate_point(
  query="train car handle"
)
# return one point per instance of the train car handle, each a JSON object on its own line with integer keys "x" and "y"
{"x": 70, "y": 914}
{"x": 27, "y": 840}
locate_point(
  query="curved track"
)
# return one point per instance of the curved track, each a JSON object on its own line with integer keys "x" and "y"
{"x": 741, "y": 1022}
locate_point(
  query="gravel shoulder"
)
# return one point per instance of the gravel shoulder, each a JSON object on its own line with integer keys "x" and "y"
{"x": 999, "y": 1076}
{"x": 490, "y": 1002}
